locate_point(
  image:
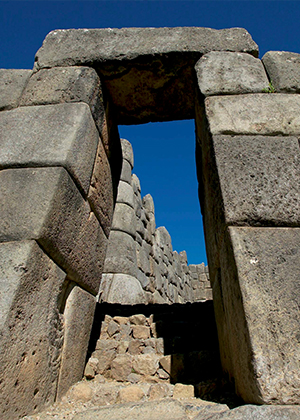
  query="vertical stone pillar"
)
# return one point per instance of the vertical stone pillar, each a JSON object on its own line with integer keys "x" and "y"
{"x": 249, "y": 186}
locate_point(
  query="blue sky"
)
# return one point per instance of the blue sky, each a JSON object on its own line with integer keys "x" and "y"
{"x": 164, "y": 153}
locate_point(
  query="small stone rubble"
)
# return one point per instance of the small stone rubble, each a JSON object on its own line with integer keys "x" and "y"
{"x": 140, "y": 264}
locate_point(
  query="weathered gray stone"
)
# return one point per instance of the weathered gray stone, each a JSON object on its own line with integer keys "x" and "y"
{"x": 126, "y": 290}
{"x": 260, "y": 113}
{"x": 143, "y": 279}
{"x": 61, "y": 221}
{"x": 259, "y": 179}
{"x": 143, "y": 255}
{"x": 126, "y": 172}
{"x": 78, "y": 321}
{"x": 254, "y": 412}
{"x": 159, "y": 64}
{"x": 12, "y": 84}
{"x": 230, "y": 73}
{"x": 167, "y": 409}
{"x": 121, "y": 254}
{"x": 135, "y": 182}
{"x": 127, "y": 152}
{"x": 258, "y": 325}
{"x": 52, "y": 135}
{"x": 283, "y": 69}
{"x": 66, "y": 84}
{"x": 101, "y": 194}
{"x": 124, "y": 219}
{"x": 163, "y": 238}
{"x": 31, "y": 328}
{"x": 148, "y": 203}
{"x": 125, "y": 194}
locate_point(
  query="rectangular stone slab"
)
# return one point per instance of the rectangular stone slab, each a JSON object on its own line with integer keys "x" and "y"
{"x": 259, "y": 179}
{"x": 50, "y": 135}
{"x": 283, "y": 69}
{"x": 31, "y": 328}
{"x": 261, "y": 113}
{"x": 80, "y": 46}
{"x": 260, "y": 283}
{"x": 44, "y": 204}
{"x": 66, "y": 84}
{"x": 145, "y": 70}
{"x": 78, "y": 320}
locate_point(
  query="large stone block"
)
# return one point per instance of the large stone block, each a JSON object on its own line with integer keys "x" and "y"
{"x": 259, "y": 179}
{"x": 52, "y": 135}
{"x": 261, "y": 113}
{"x": 259, "y": 307}
{"x": 283, "y": 69}
{"x": 78, "y": 320}
{"x": 159, "y": 64}
{"x": 124, "y": 219}
{"x": 101, "y": 191}
{"x": 66, "y": 84}
{"x": 127, "y": 151}
{"x": 126, "y": 290}
{"x": 31, "y": 328}
{"x": 125, "y": 194}
{"x": 12, "y": 84}
{"x": 121, "y": 254}
{"x": 80, "y": 46}
{"x": 44, "y": 204}
{"x": 230, "y": 73}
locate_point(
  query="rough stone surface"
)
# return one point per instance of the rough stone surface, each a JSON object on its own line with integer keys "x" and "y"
{"x": 78, "y": 320}
{"x": 183, "y": 391}
{"x": 61, "y": 221}
{"x": 156, "y": 59}
{"x": 121, "y": 367}
{"x": 283, "y": 69}
{"x": 66, "y": 84}
{"x": 145, "y": 364}
{"x": 261, "y": 113}
{"x": 101, "y": 194}
{"x": 230, "y": 73}
{"x": 125, "y": 194}
{"x": 252, "y": 412}
{"x": 121, "y": 254}
{"x": 127, "y": 152}
{"x": 12, "y": 84}
{"x": 259, "y": 179}
{"x": 125, "y": 290}
{"x": 52, "y": 135}
{"x": 130, "y": 394}
{"x": 124, "y": 219}
{"x": 259, "y": 339}
{"x": 31, "y": 328}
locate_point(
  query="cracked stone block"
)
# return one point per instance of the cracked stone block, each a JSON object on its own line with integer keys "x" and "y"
{"x": 260, "y": 113}
{"x": 12, "y": 84}
{"x": 66, "y": 84}
{"x": 256, "y": 302}
{"x": 50, "y": 135}
{"x": 225, "y": 73}
{"x": 127, "y": 152}
{"x": 31, "y": 328}
{"x": 78, "y": 321}
{"x": 283, "y": 69}
{"x": 44, "y": 204}
{"x": 121, "y": 254}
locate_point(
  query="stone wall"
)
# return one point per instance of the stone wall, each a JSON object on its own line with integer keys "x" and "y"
{"x": 140, "y": 264}
{"x": 58, "y": 184}
{"x": 57, "y": 138}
